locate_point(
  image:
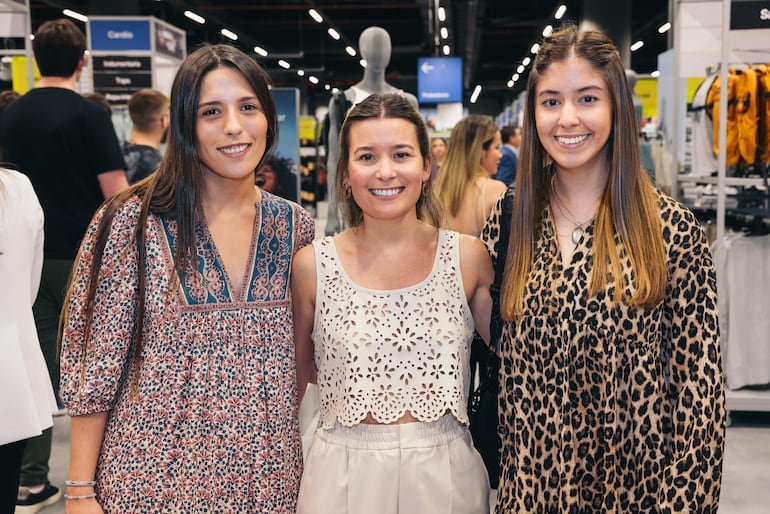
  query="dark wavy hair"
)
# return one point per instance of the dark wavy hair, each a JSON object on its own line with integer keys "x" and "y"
{"x": 376, "y": 106}
{"x": 174, "y": 191}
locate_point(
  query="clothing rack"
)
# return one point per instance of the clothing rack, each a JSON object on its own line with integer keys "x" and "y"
{"x": 740, "y": 399}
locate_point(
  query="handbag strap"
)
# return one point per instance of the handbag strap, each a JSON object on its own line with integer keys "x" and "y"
{"x": 496, "y": 321}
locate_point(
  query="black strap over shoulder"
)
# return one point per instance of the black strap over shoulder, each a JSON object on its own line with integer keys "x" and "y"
{"x": 496, "y": 322}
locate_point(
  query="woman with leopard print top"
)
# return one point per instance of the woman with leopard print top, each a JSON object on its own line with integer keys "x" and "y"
{"x": 612, "y": 395}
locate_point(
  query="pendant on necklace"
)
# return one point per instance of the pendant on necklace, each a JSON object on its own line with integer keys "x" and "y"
{"x": 577, "y": 234}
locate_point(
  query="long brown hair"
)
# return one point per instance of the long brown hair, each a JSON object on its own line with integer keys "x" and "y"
{"x": 174, "y": 191}
{"x": 377, "y": 106}
{"x": 628, "y": 208}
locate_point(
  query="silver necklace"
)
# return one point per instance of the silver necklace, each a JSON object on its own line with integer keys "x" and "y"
{"x": 577, "y": 233}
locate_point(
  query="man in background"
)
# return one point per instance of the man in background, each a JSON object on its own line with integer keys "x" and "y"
{"x": 506, "y": 169}
{"x": 67, "y": 147}
{"x": 149, "y": 112}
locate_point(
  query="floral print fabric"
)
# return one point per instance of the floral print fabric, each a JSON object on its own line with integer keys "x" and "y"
{"x": 211, "y": 425}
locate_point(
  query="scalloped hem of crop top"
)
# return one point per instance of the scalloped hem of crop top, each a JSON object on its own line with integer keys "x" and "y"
{"x": 406, "y": 418}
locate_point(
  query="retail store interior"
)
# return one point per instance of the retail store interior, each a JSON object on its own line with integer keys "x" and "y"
{"x": 677, "y": 50}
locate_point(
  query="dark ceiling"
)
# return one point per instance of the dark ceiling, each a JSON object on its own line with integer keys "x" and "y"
{"x": 492, "y": 36}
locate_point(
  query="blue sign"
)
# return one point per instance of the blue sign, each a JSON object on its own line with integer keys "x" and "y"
{"x": 114, "y": 35}
{"x": 439, "y": 79}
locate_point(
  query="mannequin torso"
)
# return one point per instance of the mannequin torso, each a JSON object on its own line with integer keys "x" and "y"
{"x": 374, "y": 45}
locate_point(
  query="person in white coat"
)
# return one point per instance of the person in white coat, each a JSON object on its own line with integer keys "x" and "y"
{"x": 27, "y": 401}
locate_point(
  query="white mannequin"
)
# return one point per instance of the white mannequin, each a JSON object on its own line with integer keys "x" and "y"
{"x": 374, "y": 45}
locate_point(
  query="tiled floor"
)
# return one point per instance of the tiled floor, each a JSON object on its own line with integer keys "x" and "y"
{"x": 745, "y": 483}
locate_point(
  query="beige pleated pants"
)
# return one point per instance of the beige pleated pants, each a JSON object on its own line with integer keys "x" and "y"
{"x": 414, "y": 468}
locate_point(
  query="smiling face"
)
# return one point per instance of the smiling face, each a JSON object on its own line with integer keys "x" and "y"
{"x": 573, "y": 115}
{"x": 230, "y": 127}
{"x": 490, "y": 157}
{"x": 386, "y": 169}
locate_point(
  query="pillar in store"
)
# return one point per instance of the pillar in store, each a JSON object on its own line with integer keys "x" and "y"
{"x": 614, "y": 19}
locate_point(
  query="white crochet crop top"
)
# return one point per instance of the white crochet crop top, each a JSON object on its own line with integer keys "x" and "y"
{"x": 386, "y": 352}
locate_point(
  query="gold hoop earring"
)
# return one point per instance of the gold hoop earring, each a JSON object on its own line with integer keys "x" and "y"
{"x": 347, "y": 192}
{"x": 424, "y": 189}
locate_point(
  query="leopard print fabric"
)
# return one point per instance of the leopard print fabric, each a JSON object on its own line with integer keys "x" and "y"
{"x": 612, "y": 409}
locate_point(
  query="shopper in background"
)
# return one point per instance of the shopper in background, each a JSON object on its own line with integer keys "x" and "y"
{"x": 464, "y": 186}
{"x": 148, "y": 109}
{"x": 177, "y": 348}
{"x": 100, "y": 100}
{"x": 610, "y": 348}
{"x": 506, "y": 170}
{"x": 6, "y": 97}
{"x": 67, "y": 147}
{"x": 27, "y": 401}
{"x": 390, "y": 341}
{"x": 437, "y": 153}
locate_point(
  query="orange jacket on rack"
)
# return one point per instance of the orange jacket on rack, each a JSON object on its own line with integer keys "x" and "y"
{"x": 763, "y": 106}
{"x": 712, "y": 101}
{"x": 746, "y": 113}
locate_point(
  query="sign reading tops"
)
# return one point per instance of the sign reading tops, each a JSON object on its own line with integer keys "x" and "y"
{"x": 111, "y": 35}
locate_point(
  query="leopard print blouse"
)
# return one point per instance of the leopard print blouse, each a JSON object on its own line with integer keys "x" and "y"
{"x": 612, "y": 409}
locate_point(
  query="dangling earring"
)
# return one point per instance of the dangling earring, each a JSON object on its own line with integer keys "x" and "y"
{"x": 424, "y": 189}
{"x": 347, "y": 192}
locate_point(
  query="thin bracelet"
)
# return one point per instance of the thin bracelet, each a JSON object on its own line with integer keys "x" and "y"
{"x": 77, "y": 483}
{"x": 80, "y": 497}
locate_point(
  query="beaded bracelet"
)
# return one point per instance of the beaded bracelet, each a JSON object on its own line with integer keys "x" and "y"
{"x": 78, "y": 483}
{"x": 80, "y": 497}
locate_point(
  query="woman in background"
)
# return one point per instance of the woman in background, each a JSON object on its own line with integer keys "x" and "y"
{"x": 437, "y": 153}
{"x": 464, "y": 185}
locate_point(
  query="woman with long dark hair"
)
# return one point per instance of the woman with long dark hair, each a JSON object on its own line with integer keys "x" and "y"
{"x": 177, "y": 343}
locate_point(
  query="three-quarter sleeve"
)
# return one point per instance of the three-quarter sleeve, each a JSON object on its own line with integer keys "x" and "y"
{"x": 695, "y": 391}
{"x": 93, "y": 370}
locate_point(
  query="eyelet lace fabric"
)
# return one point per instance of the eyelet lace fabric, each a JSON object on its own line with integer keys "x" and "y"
{"x": 386, "y": 352}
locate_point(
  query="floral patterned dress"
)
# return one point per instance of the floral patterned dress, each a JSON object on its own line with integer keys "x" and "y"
{"x": 210, "y": 422}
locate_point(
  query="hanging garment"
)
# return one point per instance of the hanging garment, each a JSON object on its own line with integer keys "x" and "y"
{"x": 746, "y": 114}
{"x": 703, "y": 160}
{"x": 743, "y": 299}
{"x": 712, "y": 102}
{"x": 763, "y": 107}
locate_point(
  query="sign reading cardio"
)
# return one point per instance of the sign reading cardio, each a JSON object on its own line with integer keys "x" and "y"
{"x": 112, "y": 35}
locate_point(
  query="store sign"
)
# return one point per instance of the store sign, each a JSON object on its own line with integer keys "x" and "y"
{"x": 120, "y": 35}
{"x": 439, "y": 79}
{"x": 117, "y": 77}
{"x": 750, "y": 15}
